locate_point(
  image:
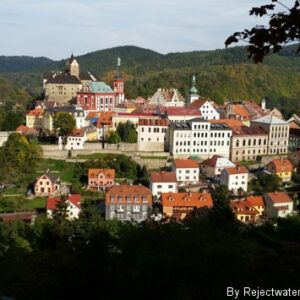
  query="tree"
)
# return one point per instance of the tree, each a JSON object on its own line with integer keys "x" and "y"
{"x": 127, "y": 132}
{"x": 283, "y": 27}
{"x": 60, "y": 212}
{"x": 113, "y": 138}
{"x": 64, "y": 123}
{"x": 266, "y": 183}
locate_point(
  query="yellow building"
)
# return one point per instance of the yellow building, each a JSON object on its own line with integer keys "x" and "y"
{"x": 283, "y": 168}
{"x": 34, "y": 118}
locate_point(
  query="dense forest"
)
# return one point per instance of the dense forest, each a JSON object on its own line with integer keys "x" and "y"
{"x": 198, "y": 258}
{"x": 224, "y": 74}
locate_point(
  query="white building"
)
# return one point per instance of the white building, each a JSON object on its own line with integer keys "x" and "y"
{"x": 75, "y": 141}
{"x": 235, "y": 178}
{"x": 72, "y": 202}
{"x": 206, "y": 108}
{"x": 187, "y": 171}
{"x": 163, "y": 182}
{"x": 152, "y": 135}
{"x": 212, "y": 167}
{"x": 167, "y": 98}
{"x": 199, "y": 137}
{"x": 278, "y": 205}
{"x": 278, "y": 131}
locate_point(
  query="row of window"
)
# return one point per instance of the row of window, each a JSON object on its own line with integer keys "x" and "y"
{"x": 155, "y": 129}
{"x": 253, "y": 142}
{"x": 134, "y": 208}
{"x": 128, "y": 199}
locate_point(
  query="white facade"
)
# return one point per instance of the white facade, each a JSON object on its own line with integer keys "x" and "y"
{"x": 276, "y": 209}
{"x": 208, "y": 112}
{"x": 186, "y": 174}
{"x": 212, "y": 168}
{"x": 235, "y": 179}
{"x": 163, "y": 187}
{"x": 199, "y": 137}
{"x": 75, "y": 142}
{"x": 167, "y": 98}
{"x": 72, "y": 211}
{"x": 152, "y": 135}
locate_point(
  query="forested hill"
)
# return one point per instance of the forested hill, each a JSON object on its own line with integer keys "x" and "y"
{"x": 224, "y": 74}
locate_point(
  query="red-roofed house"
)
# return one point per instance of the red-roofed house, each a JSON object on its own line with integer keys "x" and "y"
{"x": 73, "y": 206}
{"x": 128, "y": 202}
{"x": 46, "y": 184}
{"x": 257, "y": 202}
{"x": 206, "y": 108}
{"x": 167, "y": 98}
{"x": 25, "y": 130}
{"x": 76, "y": 139}
{"x": 34, "y": 118}
{"x": 235, "y": 178}
{"x": 283, "y": 168}
{"x": 278, "y": 204}
{"x": 181, "y": 114}
{"x": 244, "y": 212}
{"x": 212, "y": 167}
{"x": 179, "y": 205}
{"x": 152, "y": 134}
{"x": 163, "y": 182}
{"x": 187, "y": 171}
{"x": 101, "y": 179}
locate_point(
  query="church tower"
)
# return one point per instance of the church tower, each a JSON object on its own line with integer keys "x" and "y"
{"x": 193, "y": 91}
{"x": 72, "y": 66}
{"x": 118, "y": 84}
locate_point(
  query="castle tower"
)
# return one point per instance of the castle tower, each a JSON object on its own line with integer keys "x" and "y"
{"x": 193, "y": 91}
{"x": 118, "y": 84}
{"x": 72, "y": 66}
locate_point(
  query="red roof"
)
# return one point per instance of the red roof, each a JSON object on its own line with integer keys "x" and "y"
{"x": 77, "y": 132}
{"x": 197, "y": 103}
{"x": 249, "y": 131}
{"x": 279, "y": 197}
{"x": 187, "y": 199}
{"x": 52, "y": 203}
{"x": 180, "y": 111}
{"x": 255, "y": 201}
{"x": 281, "y": 165}
{"x": 37, "y": 112}
{"x": 153, "y": 122}
{"x": 243, "y": 208}
{"x": 163, "y": 176}
{"x": 231, "y": 123}
{"x": 107, "y": 172}
{"x": 236, "y": 170}
{"x": 74, "y": 199}
{"x": 186, "y": 163}
{"x": 211, "y": 162}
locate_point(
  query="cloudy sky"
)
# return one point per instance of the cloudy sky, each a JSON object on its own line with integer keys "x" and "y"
{"x": 56, "y": 28}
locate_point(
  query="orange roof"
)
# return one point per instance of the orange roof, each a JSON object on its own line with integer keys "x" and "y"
{"x": 75, "y": 199}
{"x": 236, "y": 170}
{"x": 294, "y": 125}
{"x": 105, "y": 118}
{"x": 240, "y": 110}
{"x": 255, "y": 201}
{"x": 52, "y": 203}
{"x": 198, "y": 103}
{"x": 37, "y": 112}
{"x": 187, "y": 199}
{"x": 186, "y": 163}
{"x": 124, "y": 189}
{"x": 243, "y": 208}
{"x": 279, "y": 197}
{"x": 163, "y": 176}
{"x": 22, "y": 128}
{"x": 282, "y": 165}
{"x": 243, "y": 130}
{"x": 107, "y": 172}
{"x": 232, "y": 123}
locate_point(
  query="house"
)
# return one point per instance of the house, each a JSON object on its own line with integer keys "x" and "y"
{"x": 101, "y": 179}
{"x": 75, "y": 140}
{"x": 212, "y": 167}
{"x": 34, "y": 118}
{"x": 244, "y": 212}
{"x": 235, "y": 178}
{"x": 283, "y": 168}
{"x": 24, "y": 130}
{"x": 258, "y": 203}
{"x": 152, "y": 135}
{"x": 72, "y": 202}
{"x": 206, "y": 108}
{"x": 248, "y": 143}
{"x": 278, "y": 204}
{"x": 163, "y": 182}
{"x": 128, "y": 202}
{"x": 187, "y": 171}
{"x": 294, "y": 139}
{"x": 278, "y": 133}
{"x": 179, "y": 205}
{"x": 167, "y": 98}
{"x": 199, "y": 137}
{"x": 47, "y": 184}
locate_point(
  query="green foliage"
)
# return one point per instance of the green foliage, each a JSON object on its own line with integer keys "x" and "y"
{"x": 127, "y": 132}
{"x": 265, "y": 183}
{"x": 64, "y": 123}
{"x": 113, "y": 137}
{"x": 18, "y": 158}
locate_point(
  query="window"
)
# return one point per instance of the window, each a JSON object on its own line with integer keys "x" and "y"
{"x": 159, "y": 186}
{"x": 170, "y": 186}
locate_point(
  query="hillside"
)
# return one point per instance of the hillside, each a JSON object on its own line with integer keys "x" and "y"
{"x": 221, "y": 74}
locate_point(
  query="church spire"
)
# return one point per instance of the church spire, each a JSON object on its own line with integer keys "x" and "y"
{"x": 118, "y": 70}
{"x": 193, "y": 90}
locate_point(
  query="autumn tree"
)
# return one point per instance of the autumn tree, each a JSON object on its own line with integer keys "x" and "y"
{"x": 283, "y": 27}
{"x": 64, "y": 123}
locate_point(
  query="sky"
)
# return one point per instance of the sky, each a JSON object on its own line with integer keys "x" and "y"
{"x": 56, "y": 28}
